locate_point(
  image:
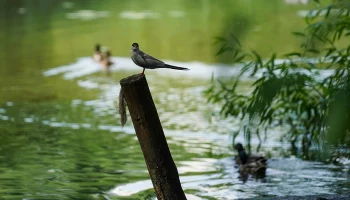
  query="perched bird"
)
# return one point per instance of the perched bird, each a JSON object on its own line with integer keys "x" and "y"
{"x": 97, "y": 55}
{"x": 148, "y": 62}
{"x": 250, "y": 164}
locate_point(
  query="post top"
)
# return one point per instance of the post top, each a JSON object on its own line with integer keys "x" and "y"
{"x": 132, "y": 79}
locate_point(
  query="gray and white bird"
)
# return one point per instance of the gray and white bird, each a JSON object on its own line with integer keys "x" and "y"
{"x": 148, "y": 62}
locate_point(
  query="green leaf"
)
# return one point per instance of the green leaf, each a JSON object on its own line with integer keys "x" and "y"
{"x": 329, "y": 8}
{"x": 219, "y": 39}
{"x": 223, "y": 86}
{"x": 319, "y": 11}
{"x": 236, "y": 39}
{"x": 245, "y": 68}
{"x": 330, "y": 51}
{"x": 258, "y": 58}
{"x": 299, "y": 34}
{"x": 259, "y": 81}
{"x": 340, "y": 32}
{"x": 312, "y": 65}
{"x": 271, "y": 61}
{"x": 240, "y": 58}
{"x": 310, "y": 16}
{"x": 293, "y": 54}
{"x": 236, "y": 52}
{"x": 255, "y": 69}
{"x": 223, "y": 49}
{"x": 313, "y": 51}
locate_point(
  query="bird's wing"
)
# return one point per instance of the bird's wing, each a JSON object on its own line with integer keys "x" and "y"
{"x": 144, "y": 59}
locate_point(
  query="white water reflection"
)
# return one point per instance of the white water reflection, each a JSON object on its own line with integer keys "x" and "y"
{"x": 197, "y": 165}
{"x": 87, "y": 14}
{"x": 147, "y": 14}
{"x": 3, "y": 117}
{"x": 186, "y": 181}
{"x": 28, "y": 120}
{"x": 296, "y": 1}
{"x": 22, "y": 11}
{"x": 137, "y": 15}
{"x": 176, "y": 14}
{"x": 88, "y": 84}
{"x": 83, "y": 67}
{"x": 314, "y": 13}
{"x": 303, "y": 178}
{"x": 86, "y": 66}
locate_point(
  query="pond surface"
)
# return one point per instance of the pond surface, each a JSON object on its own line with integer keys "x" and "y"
{"x": 60, "y": 135}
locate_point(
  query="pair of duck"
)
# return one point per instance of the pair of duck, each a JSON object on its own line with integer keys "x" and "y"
{"x": 250, "y": 164}
{"x": 102, "y": 57}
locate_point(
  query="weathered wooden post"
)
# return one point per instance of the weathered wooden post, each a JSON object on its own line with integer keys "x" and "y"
{"x": 149, "y": 131}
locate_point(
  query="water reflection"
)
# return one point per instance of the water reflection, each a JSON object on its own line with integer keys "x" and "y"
{"x": 284, "y": 177}
{"x": 87, "y": 14}
{"x": 89, "y": 146}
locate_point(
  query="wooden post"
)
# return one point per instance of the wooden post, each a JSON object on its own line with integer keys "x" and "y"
{"x": 149, "y": 131}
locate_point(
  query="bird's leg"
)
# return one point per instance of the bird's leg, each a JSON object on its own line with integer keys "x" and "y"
{"x": 143, "y": 72}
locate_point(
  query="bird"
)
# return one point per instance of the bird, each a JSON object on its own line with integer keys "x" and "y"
{"x": 106, "y": 61}
{"x": 250, "y": 164}
{"x": 97, "y": 55}
{"x": 146, "y": 61}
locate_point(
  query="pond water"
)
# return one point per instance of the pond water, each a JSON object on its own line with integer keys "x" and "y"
{"x": 60, "y": 135}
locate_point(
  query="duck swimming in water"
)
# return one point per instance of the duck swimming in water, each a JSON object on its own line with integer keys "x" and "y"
{"x": 250, "y": 164}
{"x": 97, "y": 54}
{"x": 106, "y": 60}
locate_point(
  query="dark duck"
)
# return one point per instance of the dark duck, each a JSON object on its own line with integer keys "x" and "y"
{"x": 254, "y": 165}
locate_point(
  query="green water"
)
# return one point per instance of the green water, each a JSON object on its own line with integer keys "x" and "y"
{"x": 62, "y": 140}
{"x": 44, "y": 36}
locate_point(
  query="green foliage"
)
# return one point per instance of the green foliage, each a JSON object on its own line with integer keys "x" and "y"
{"x": 292, "y": 93}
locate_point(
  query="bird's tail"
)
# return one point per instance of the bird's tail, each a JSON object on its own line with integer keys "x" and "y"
{"x": 175, "y": 67}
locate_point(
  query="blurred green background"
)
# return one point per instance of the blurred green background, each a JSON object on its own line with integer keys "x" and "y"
{"x": 37, "y": 35}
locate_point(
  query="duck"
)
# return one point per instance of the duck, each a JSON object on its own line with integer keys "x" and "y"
{"x": 254, "y": 165}
{"x": 97, "y": 54}
{"x": 106, "y": 61}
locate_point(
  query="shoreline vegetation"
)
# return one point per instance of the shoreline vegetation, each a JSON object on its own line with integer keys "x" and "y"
{"x": 307, "y": 107}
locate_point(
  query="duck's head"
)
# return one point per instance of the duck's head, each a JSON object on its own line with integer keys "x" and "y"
{"x": 239, "y": 147}
{"x": 97, "y": 47}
